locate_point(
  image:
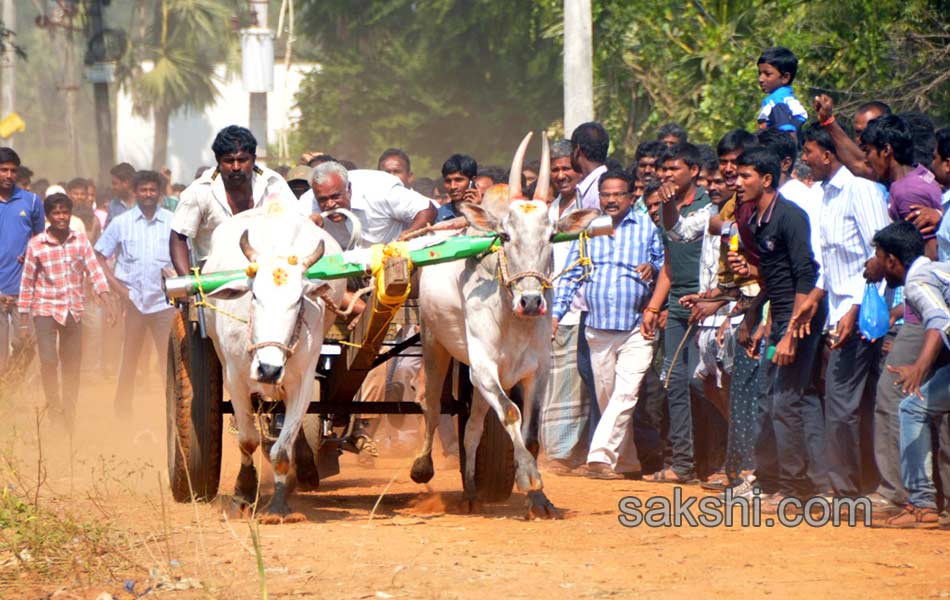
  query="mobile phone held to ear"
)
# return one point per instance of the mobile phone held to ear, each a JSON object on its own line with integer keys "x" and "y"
{"x": 471, "y": 183}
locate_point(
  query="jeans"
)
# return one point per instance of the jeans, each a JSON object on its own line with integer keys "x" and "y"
{"x": 136, "y": 326}
{"x": 904, "y": 351}
{"x": 850, "y": 382}
{"x": 60, "y": 351}
{"x": 916, "y": 441}
{"x": 678, "y": 393}
{"x": 790, "y": 414}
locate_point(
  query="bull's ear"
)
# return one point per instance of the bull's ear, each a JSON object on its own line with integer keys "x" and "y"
{"x": 314, "y": 288}
{"x": 577, "y": 221}
{"x": 478, "y": 217}
{"x": 231, "y": 290}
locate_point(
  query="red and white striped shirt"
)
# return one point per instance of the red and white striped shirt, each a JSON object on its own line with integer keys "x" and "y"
{"x": 53, "y": 275}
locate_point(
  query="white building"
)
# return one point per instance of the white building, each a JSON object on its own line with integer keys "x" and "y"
{"x": 190, "y": 133}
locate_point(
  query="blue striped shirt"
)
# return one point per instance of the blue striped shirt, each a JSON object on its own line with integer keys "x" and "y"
{"x": 615, "y": 294}
{"x": 140, "y": 247}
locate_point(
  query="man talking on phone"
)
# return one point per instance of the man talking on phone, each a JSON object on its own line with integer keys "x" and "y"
{"x": 458, "y": 173}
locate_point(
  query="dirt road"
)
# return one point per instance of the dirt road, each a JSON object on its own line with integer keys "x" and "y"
{"x": 416, "y": 544}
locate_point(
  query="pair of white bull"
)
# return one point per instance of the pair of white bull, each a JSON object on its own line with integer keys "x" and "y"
{"x": 498, "y": 325}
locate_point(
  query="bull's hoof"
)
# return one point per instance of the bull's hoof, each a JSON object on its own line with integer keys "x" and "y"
{"x": 245, "y": 489}
{"x": 270, "y": 519}
{"x": 295, "y": 517}
{"x": 236, "y": 508}
{"x": 539, "y": 507}
{"x": 422, "y": 469}
{"x": 470, "y": 506}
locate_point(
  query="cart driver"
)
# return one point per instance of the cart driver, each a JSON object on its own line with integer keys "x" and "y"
{"x": 236, "y": 184}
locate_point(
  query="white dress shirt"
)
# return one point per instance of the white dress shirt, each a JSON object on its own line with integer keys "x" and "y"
{"x": 809, "y": 200}
{"x": 588, "y": 190}
{"x": 852, "y": 211}
{"x": 204, "y": 204}
{"x": 384, "y": 206}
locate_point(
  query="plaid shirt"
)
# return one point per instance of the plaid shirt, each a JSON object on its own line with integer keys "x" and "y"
{"x": 53, "y": 274}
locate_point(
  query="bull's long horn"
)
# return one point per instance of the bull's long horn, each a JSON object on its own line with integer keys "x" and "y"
{"x": 514, "y": 178}
{"x": 313, "y": 256}
{"x": 544, "y": 173}
{"x": 247, "y": 248}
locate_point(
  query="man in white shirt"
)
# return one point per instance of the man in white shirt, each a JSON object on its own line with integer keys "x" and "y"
{"x": 852, "y": 211}
{"x": 566, "y": 411}
{"x": 589, "y": 145}
{"x": 385, "y": 207}
{"x": 235, "y": 185}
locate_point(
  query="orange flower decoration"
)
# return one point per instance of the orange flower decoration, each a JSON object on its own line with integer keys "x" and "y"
{"x": 292, "y": 259}
{"x": 280, "y": 276}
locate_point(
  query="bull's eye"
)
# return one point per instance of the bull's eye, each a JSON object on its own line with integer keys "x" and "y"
{"x": 280, "y": 276}
{"x": 292, "y": 259}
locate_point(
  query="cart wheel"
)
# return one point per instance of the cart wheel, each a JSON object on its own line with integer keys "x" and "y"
{"x": 495, "y": 459}
{"x": 193, "y": 396}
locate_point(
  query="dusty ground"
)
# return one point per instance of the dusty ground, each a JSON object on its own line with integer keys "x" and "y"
{"x": 417, "y": 545}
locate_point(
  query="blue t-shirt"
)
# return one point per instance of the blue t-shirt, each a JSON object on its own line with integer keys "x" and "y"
{"x": 782, "y": 110}
{"x": 446, "y": 212}
{"x": 21, "y": 217}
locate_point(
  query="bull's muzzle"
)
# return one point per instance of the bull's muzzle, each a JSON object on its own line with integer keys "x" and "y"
{"x": 269, "y": 373}
{"x": 529, "y": 304}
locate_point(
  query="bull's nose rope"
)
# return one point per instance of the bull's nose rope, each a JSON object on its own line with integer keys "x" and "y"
{"x": 203, "y": 298}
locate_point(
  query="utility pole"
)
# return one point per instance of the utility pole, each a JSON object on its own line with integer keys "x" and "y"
{"x": 257, "y": 54}
{"x": 578, "y": 64}
{"x": 99, "y": 73}
{"x": 8, "y": 66}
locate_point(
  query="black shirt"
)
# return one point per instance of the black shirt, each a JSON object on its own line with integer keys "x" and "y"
{"x": 787, "y": 263}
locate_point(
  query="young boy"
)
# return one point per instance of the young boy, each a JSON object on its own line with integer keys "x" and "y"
{"x": 56, "y": 264}
{"x": 780, "y": 109}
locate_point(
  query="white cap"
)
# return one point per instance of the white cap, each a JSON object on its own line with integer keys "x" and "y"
{"x": 54, "y": 189}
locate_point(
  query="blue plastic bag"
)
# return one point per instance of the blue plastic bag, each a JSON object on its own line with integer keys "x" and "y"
{"x": 874, "y": 319}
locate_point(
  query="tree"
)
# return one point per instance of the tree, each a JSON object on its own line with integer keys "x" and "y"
{"x": 431, "y": 76}
{"x": 186, "y": 38}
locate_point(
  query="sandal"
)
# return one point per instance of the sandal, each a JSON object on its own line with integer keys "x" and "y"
{"x": 914, "y": 517}
{"x": 671, "y": 476}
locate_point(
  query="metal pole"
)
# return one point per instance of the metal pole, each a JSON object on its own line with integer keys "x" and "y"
{"x": 257, "y": 107}
{"x": 8, "y": 67}
{"x": 578, "y": 64}
{"x": 101, "y": 97}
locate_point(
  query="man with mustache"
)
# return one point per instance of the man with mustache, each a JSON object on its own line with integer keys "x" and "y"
{"x": 236, "y": 184}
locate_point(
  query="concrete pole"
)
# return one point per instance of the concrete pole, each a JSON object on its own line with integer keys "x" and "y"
{"x": 257, "y": 110}
{"x": 101, "y": 97}
{"x": 8, "y": 67}
{"x": 578, "y": 64}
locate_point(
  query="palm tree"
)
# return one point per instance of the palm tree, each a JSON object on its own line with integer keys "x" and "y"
{"x": 186, "y": 38}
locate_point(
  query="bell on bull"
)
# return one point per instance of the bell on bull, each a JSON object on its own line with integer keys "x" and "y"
{"x": 492, "y": 314}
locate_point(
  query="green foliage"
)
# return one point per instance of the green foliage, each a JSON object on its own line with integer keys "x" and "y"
{"x": 431, "y": 76}
{"x": 439, "y": 76}
{"x": 178, "y": 45}
{"x": 37, "y": 540}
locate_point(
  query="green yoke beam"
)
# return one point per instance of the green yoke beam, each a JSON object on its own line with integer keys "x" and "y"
{"x": 336, "y": 266}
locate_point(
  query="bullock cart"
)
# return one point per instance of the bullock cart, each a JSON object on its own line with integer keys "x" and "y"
{"x": 195, "y": 399}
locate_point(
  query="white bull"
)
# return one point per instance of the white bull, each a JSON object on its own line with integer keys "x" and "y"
{"x": 275, "y": 353}
{"x": 492, "y": 314}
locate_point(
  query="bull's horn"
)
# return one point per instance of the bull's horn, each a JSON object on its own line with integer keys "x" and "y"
{"x": 247, "y": 248}
{"x": 313, "y": 256}
{"x": 544, "y": 173}
{"x": 514, "y": 178}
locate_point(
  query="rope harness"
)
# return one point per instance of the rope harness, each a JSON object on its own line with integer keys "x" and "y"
{"x": 509, "y": 281}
